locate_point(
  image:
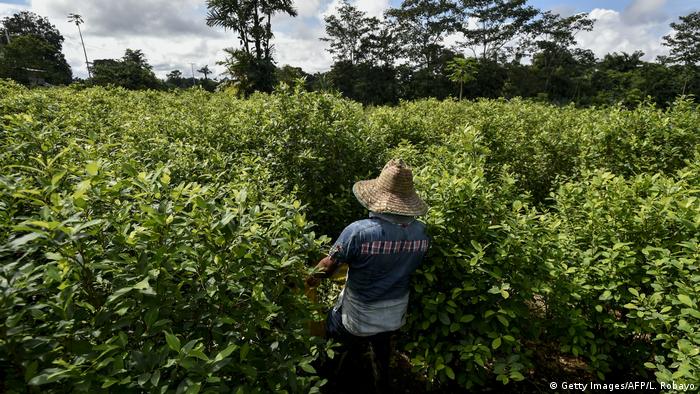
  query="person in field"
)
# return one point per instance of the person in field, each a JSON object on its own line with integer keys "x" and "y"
{"x": 381, "y": 253}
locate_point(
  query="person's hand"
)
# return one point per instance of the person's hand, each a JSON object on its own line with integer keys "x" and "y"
{"x": 312, "y": 281}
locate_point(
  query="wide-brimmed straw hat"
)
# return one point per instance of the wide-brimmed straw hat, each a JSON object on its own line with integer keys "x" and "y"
{"x": 391, "y": 192}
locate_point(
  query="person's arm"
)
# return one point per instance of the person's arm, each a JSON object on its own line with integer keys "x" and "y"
{"x": 324, "y": 269}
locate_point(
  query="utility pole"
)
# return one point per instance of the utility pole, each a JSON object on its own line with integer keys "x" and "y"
{"x": 7, "y": 35}
{"x": 192, "y": 65}
{"x": 77, "y": 19}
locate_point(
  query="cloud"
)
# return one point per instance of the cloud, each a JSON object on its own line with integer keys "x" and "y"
{"x": 308, "y": 8}
{"x": 625, "y": 32}
{"x": 642, "y": 11}
{"x": 374, "y": 8}
{"x": 174, "y": 18}
{"x": 10, "y": 9}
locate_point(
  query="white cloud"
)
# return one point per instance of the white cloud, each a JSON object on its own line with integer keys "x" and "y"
{"x": 10, "y": 9}
{"x": 645, "y": 11}
{"x": 308, "y": 8}
{"x": 374, "y": 8}
{"x": 625, "y": 32}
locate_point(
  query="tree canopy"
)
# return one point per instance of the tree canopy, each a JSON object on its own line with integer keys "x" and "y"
{"x": 34, "y": 54}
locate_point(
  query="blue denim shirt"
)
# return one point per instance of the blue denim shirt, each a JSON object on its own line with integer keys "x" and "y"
{"x": 381, "y": 256}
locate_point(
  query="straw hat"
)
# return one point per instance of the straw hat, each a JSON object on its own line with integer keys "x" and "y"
{"x": 391, "y": 192}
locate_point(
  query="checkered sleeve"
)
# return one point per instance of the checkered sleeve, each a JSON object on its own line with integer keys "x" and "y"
{"x": 344, "y": 247}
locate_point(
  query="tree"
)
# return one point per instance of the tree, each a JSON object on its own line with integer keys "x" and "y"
{"x": 247, "y": 73}
{"x": 30, "y": 60}
{"x": 251, "y": 20}
{"x": 685, "y": 40}
{"x": 33, "y": 56}
{"x": 488, "y": 25}
{"x": 421, "y": 27}
{"x": 462, "y": 70}
{"x": 78, "y": 20}
{"x": 174, "y": 75}
{"x": 549, "y": 32}
{"x": 27, "y": 23}
{"x": 622, "y": 62}
{"x": 348, "y": 33}
{"x": 291, "y": 75}
{"x": 685, "y": 45}
{"x": 204, "y": 70}
{"x": 175, "y": 79}
{"x": 132, "y": 71}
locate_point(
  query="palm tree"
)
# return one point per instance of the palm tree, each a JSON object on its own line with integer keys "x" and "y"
{"x": 204, "y": 70}
{"x": 78, "y": 20}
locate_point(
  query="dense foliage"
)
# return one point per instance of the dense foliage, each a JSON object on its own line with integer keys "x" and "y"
{"x": 158, "y": 242}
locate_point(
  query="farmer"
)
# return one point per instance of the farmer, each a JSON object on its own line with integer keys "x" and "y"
{"x": 381, "y": 253}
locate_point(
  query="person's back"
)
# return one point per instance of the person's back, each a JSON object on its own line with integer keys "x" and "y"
{"x": 381, "y": 253}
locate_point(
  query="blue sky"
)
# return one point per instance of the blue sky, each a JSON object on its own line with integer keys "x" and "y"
{"x": 172, "y": 33}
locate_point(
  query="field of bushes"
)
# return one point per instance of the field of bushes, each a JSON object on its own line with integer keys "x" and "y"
{"x": 158, "y": 241}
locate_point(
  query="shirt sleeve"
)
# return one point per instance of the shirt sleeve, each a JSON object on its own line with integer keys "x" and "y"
{"x": 344, "y": 249}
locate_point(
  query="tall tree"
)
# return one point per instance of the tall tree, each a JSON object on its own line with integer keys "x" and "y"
{"x": 78, "y": 20}
{"x": 489, "y": 25}
{"x": 348, "y": 32}
{"x": 27, "y": 23}
{"x": 685, "y": 40}
{"x": 685, "y": 45}
{"x": 551, "y": 31}
{"x": 34, "y": 53}
{"x": 252, "y": 22}
{"x": 421, "y": 27}
{"x": 551, "y": 39}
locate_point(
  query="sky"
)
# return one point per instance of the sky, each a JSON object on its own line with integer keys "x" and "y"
{"x": 173, "y": 33}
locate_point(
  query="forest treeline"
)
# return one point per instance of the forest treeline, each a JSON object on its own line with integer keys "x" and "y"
{"x": 505, "y": 49}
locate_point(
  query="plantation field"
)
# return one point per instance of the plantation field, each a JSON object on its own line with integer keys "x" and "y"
{"x": 159, "y": 241}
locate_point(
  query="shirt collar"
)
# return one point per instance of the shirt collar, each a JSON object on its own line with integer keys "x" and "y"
{"x": 396, "y": 219}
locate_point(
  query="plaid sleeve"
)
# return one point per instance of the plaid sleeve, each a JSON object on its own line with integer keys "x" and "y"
{"x": 344, "y": 248}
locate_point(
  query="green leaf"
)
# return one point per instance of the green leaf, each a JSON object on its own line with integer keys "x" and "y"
{"x": 198, "y": 353}
{"x": 444, "y": 318}
{"x": 92, "y": 168}
{"x": 155, "y": 378}
{"x": 17, "y": 242}
{"x": 173, "y": 341}
{"x": 466, "y": 318}
{"x": 118, "y": 294}
{"x": 143, "y": 285}
{"x": 307, "y": 368}
{"x": 496, "y": 343}
{"x": 633, "y": 291}
{"x": 517, "y": 376}
{"x": 686, "y": 300}
{"x": 194, "y": 389}
{"x": 244, "y": 351}
{"x": 226, "y": 352}
{"x": 449, "y": 372}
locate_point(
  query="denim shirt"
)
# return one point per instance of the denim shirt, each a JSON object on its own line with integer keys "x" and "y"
{"x": 381, "y": 254}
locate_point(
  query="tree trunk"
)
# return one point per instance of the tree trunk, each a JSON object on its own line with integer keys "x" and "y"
{"x": 256, "y": 31}
{"x": 268, "y": 34}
